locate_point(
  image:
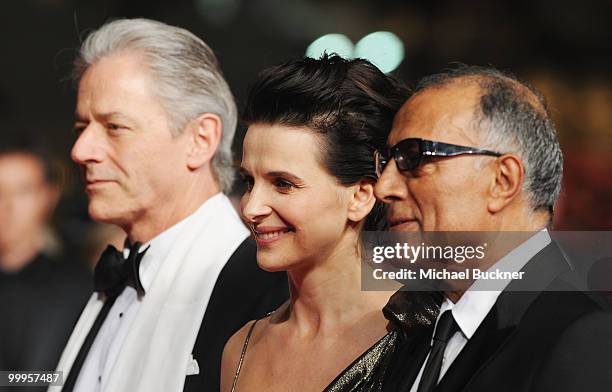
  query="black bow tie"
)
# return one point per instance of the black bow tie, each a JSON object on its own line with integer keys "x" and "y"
{"x": 113, "y": 272}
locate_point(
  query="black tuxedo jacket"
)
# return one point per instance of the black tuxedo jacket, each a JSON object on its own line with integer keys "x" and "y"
{"x": 39, "y": 306}
{"x": 243, "y": 292}
{"x": 550, "y": 339}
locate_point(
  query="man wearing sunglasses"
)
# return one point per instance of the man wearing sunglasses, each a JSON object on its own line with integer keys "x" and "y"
{"x": 475, "y": 150}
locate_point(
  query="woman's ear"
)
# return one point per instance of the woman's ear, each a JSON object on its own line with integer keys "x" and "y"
{"x": 362, "y": 201}
{"x": 204, "y": 137}
{"x": 507, "y": 182}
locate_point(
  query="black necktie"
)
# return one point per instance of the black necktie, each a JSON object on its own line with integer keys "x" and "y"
{"x": 111, "y": 276}
{"x": 113, "y": 272}
{"x": 446, "y": 328}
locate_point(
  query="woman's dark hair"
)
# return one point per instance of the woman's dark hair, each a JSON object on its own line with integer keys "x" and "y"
{"x": 350, "y": 104}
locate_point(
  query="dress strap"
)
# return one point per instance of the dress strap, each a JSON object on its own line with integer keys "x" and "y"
{"x": 243, "y": 354}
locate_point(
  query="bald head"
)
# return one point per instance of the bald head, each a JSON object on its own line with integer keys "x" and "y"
{"x": 485, "y": 80}
{"x": 456, "y": 108}
{"x": 508, "y": 116}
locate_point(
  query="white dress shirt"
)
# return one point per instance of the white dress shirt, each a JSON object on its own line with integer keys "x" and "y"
{"x": 105, "y": 348}
{"x": 474, "y": 305}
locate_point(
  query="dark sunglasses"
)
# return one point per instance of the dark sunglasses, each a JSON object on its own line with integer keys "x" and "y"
{"x": 409, "y": 153}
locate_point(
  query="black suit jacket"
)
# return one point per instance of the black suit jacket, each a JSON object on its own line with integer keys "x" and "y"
{"x": 549, "y": 339}
{"x": 243, "y": 292}
{"x": 39, "y": 307}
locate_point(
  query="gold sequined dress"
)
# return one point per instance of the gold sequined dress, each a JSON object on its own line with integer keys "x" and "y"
{"x": 407, "y": 312}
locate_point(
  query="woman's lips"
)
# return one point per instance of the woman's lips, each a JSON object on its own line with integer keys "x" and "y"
{"x": 268, "y": 235}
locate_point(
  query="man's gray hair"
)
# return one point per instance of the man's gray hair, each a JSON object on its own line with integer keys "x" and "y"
{"x": 188, "y": 80}
{"x": 513, "y": 118}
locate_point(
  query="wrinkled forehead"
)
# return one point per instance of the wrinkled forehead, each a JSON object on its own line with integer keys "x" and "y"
{"x": 119, "y": 78}
{"x": 446, "y": 114}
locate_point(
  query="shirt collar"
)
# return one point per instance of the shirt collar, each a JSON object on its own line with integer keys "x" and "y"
{"x": 159, "y": 246}
{"x": 476, "y": 302}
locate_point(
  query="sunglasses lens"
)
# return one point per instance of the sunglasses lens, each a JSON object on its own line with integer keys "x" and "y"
{"x": 408, "y": 154}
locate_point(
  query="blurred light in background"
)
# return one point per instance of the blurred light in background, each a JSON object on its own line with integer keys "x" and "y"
{"x": 382, "y": 48}
{"x": 331, "y": 43}
{"x": 218, "y": 12}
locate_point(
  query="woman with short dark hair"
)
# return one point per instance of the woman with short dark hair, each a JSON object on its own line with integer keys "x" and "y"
{"x": 308, "y": 167}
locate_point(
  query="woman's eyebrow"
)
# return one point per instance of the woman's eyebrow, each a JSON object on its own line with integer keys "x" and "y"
{"x": 285, "y": 175}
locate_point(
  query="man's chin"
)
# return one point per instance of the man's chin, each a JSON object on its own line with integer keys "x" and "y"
{"x": 103, "y": 212}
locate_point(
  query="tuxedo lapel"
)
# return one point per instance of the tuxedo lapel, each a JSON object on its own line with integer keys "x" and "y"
{"x": 155, "y": 354}
{"x": 71, "y": 378}
{"x": 77, "y": 338}
{"x": 487, "y": 339}
{"x": 501, "y": 322}
{"x": 243, "y": 292}
{"x": 161, "y": 337}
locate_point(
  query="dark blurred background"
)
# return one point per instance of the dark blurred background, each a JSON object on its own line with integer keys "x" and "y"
{"x": 561, "y": 47}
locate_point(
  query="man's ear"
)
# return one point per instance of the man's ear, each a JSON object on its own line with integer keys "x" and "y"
{"x": 507, "y": 183}
{"x": 204, "y": 137}
{"x": 362, "y": 201}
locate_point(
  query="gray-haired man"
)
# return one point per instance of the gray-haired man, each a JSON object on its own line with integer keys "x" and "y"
{"x": 475, "y": 150}
{"x": 155, "y": 121}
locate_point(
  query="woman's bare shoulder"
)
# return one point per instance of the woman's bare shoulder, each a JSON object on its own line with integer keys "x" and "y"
{"x": 235, "y": 345}
{"x": 231, "y": 355}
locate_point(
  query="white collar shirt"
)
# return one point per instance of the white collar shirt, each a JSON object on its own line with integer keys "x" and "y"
{"x": 474, "y": 305}
{"x": 107, "y": 344}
